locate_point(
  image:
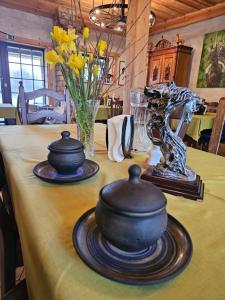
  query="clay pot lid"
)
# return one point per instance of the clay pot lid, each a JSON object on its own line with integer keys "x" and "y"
{"x": 134, "y": 194}
{"x": 66, "y": 144}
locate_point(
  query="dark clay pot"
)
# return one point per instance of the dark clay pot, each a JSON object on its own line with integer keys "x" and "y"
{"x": 131, "y": 214}
{"x": 66, "y": 155}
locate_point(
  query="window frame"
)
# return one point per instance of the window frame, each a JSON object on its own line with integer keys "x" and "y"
{"x": 5, "y": 70}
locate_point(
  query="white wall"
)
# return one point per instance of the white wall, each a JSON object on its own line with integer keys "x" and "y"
{"x": 24, "y": 24}
{"x": 117, "y": 45}
{"x": 193, "y": 35}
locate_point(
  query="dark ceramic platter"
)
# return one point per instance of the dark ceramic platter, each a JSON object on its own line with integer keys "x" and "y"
{"x": 161, "y": 262}
{"x": 46, "y": 172}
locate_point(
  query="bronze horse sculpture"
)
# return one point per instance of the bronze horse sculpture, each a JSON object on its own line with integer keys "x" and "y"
{"x": 163, "y": 100}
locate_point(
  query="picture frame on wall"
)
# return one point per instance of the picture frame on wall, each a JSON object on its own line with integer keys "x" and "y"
{"x": 212, "y": 65}
{"x": 110, "y": 75}
{"x": 122, "y": 69}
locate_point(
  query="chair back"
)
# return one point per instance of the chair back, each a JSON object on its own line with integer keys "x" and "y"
{"x": 42, "y": 112}
{"x": 217, "y": 129}
{"x": 116, "y": 108}
{"x": 182, "y": 126}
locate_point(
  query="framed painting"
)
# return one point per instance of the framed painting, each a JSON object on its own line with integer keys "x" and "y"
{"x": 122, "y": 69}
{"x": 111, "y": 72}
{"x": 212, "y": 65}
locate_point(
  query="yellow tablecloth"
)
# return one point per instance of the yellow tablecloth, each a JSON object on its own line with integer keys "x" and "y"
{"x": 46, "y": 213}
{"x": 103, "y": 113}
{"x": 198, "y": 123}
{"x": 7, "y": 111}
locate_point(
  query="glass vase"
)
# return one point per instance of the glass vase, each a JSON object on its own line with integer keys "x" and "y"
{"x": 85, "y": 119}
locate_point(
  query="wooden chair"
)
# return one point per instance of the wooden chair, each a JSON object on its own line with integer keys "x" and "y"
{"x": 116, "y": 108}
{"x": 39, "y": 114}
{"x": 217, "y": 129}
{"x": 19, "y": 292}
{"x": 8, "y": 240}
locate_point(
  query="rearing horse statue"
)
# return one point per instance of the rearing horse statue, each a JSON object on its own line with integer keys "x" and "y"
{"x": 163, "y": 100}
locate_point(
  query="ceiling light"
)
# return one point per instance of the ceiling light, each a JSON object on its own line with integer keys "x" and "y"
{"x": 114, "y": 15}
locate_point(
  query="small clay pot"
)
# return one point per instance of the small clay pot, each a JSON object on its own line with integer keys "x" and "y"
{"x": 66, "y": 155}
{"x": 131, "y": 213}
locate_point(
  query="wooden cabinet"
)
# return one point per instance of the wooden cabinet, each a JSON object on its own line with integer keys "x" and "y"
{"x": 170, "y": 64}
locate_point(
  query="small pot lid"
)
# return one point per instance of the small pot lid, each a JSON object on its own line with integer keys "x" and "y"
{"x": 66, "y": 144}
{"x": 134, "y": 194}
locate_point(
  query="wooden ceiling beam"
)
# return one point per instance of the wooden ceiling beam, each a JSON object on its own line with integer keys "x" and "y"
{"x": 192, "y": 3}
{"x": 177, "y": 6}
{"x": 40, "y": 7}
{"x": 203, "y": 3}
{"x": 194, "y": 17}
{"x": 217, "y": 1}
{"x": 170, "y": 12}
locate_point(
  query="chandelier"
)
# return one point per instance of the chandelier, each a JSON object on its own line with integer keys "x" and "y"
{"x": 113, "y": 15}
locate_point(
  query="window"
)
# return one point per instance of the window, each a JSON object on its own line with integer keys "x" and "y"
{"x": 18, "y": 63}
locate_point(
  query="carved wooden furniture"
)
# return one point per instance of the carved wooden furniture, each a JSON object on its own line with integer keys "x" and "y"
{"x": 217, "y": 129}
{"x": 43, "y": 112}
{"x": 169, "y": 63}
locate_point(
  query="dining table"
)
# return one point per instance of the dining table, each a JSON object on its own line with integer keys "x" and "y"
{"x": 46, "y": 213}
{"x": 104, "y": 112}
{"x": 197, "y": 125}
{"x": 9, "y": 113}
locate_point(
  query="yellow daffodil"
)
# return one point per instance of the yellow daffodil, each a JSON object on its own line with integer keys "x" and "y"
{"x": 59, "y": 35}
{"x": 76, "y": 61}
{"x": 72, "y": 34}
{"x": 72, "y": 37}
{"x": 95, "y": 71}
{"x": 53, "y": 58}
{"x": 72, "y": 47}
{"x": 64, "y": 47}
{"x": 102, "y": 46}
{"x": 76, "y": 72}
{"x": 61, "y": 48}
{"x": 91, "y": 58}
{"x": 86, "y": 33}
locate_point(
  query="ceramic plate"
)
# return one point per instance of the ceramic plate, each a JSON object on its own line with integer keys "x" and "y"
{"x": 46, "y": 172}
{"x": 159, "y": 263}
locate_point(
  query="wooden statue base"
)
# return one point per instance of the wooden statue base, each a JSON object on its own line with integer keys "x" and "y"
{"x": 189, "y": 189}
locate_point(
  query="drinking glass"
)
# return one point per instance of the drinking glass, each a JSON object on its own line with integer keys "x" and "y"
{"x": 138, "y": 108}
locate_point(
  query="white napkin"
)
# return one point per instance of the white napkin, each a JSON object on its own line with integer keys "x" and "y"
{"x": 115, "y": 137}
